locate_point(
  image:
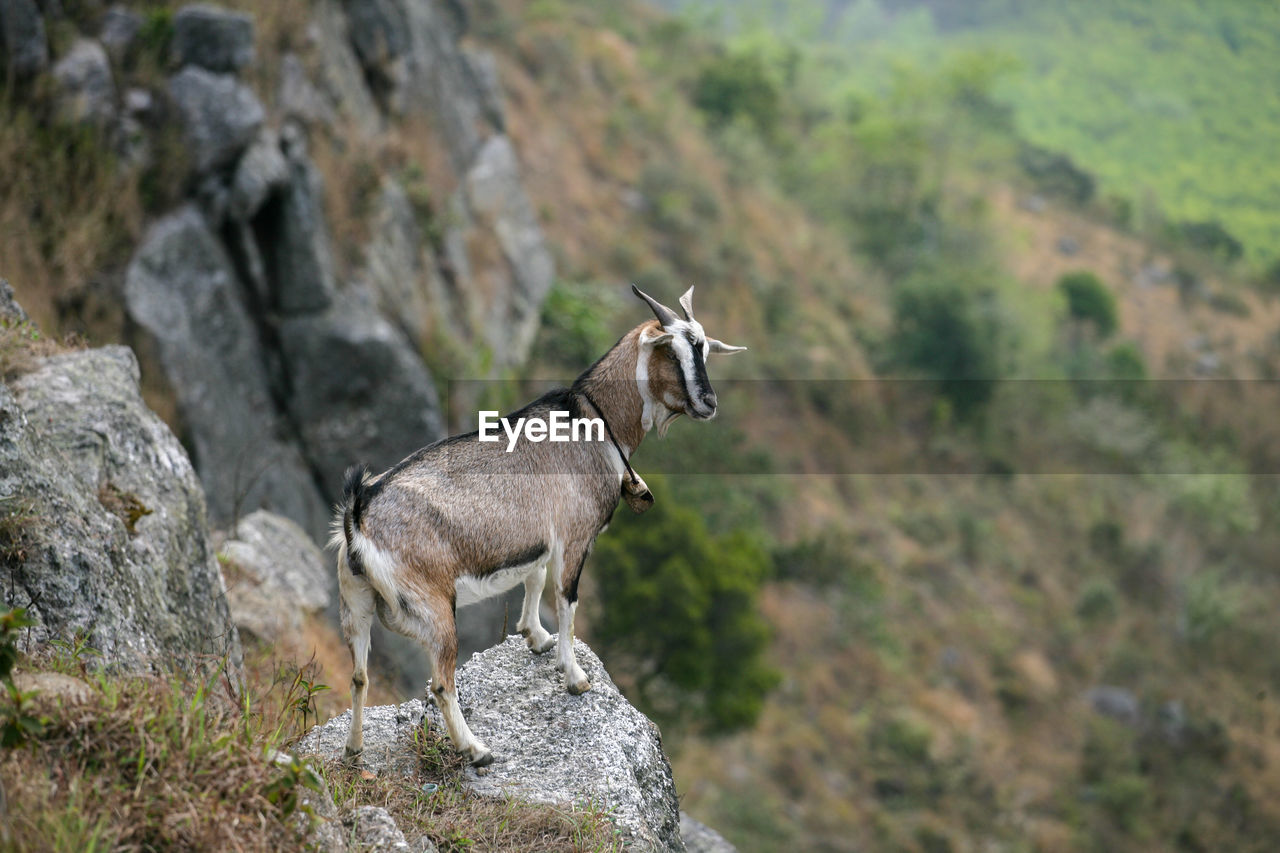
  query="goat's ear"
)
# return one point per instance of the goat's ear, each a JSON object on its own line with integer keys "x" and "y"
{"x": 721, "y": 346}
{"x": 686, "y": 304}
{"x": 649, "y": 338}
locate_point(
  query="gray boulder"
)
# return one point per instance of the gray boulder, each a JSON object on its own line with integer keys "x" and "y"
{"x": 114, "y": 541}
{"x": 10, "y": 310}
{"x": 275, "y": 575}
{"x": 700, "y": 838}
{"x": 212, "y": 37}
{"x": 551, "y": 747}
{"x": 372, "y": 829}
{"x": 261, "y": 171}
{"x": 119, "y": 30}
{"x": 86, "y": 92}
{"x": 359, "y": 391}
{"x": 23, "y": 44}
{"x": 182, "y": 290}
{"x": 1117, "y": 703}
{"x": 220, "y": 115}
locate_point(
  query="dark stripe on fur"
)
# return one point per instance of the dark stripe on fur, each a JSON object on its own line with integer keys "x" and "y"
{"x": 520, "y": 558}
{"x": 353, "y": 499}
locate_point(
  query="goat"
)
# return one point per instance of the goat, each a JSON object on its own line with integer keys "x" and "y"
{"x": 462, "y": 520}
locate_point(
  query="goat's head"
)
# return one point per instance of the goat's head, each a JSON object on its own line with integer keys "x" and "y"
{"x": 672, "y": 368}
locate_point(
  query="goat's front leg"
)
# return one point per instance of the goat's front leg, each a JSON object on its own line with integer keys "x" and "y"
{"x": 566, "y": 606}
{"x": 530, "y": 624}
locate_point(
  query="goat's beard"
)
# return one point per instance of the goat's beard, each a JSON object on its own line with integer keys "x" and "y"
{"x": 665, "y": 423}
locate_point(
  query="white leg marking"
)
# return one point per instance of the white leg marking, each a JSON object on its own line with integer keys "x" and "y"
{"x": 530, "y": 624}
{"x": 566, "y": 661}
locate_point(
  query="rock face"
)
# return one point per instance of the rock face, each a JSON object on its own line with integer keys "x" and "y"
{"x": 212, "y": 38}
{"x": 275, "y": 574}
{"x": 221, "y": 115}
{"x": 23, "y": 45}
{"x": 112, "y": 537}
{"x": 182, "y": 289}
{"x": 550, "y": 747}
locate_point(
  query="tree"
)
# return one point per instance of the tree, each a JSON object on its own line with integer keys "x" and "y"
{"x": 1089, "y": 301}
{"x": 680, "y": 614}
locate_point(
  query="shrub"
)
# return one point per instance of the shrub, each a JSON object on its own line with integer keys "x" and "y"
{"x": 738, "y": 85}
{"x": 682, "y": 611}
{"x": 1089, "y": 301}
{"x": 951, "y": 331}
{"x": 1056, "y": 174}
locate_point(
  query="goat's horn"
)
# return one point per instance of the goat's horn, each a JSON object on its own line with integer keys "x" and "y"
{"x": 721, "y": 346}
{"x": 664, "y": 314}
{"x": 686, "y": 304}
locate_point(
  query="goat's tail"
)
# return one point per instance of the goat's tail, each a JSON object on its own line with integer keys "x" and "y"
{"x": 346, "y": 517}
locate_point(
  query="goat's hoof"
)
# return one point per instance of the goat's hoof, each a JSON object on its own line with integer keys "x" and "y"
{"x": 580, "y": 687}
{"x": 483, "y": 759}
{"x": 352, "y": 756}
{"x": 543, "y": 647}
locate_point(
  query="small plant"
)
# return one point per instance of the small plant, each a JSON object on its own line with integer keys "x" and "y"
{"x": 18, "y": 725}
{"x": 1089, "y": 301}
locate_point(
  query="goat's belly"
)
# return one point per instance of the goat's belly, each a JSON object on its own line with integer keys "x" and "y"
{"x": 473, "y": 589}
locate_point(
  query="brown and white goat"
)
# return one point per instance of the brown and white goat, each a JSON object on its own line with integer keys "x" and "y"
{"x": 463, "y": 519}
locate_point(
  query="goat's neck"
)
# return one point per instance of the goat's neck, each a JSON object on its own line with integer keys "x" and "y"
{"x": 611, "y": 386}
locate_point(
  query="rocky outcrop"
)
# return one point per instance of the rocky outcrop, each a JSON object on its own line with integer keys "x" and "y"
{"x": 550, "y": 747}
{"x": 105, "y": 519}
{"x": 700, "y": 838}
{"x": 220, "y": 115}
{"x": 213, "y": 38}
{"x": 182, "y": 289}
{"x": 24, "y": 48}
{"x": 275, "y": 576}
{"x": 86, "y": 91}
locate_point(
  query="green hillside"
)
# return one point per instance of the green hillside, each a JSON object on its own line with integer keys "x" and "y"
{"x": 1174, "y": 106}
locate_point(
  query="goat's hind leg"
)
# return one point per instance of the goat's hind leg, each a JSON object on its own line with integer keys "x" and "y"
{"x": 434, "y": 624}
{"x": 357, "y": 607}
{"x": 530, "y": 624}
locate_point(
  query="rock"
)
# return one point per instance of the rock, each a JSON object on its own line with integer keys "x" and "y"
{"x": 212, "y": 38}
{"x": 116, "y": 543}
{"x": 379, "y": 32}
{"x": 293, "y": 237}
{"x": 298, "y": 98}
{"x": 220, "y": 114}
{"x": 1115, "y": 702}
{"x": 86, "y": 92}
{"x": 700, "y": 838}
{"x": 261, "y": 171}
{"x": 1068, "y": 245}
{"x": 485, "y": 80}
{"x": 401, "y": 267}
{"x": 138, "y": 102}
{"x": 10, "y": 310}
{"x": 340, "y": 76}
{"x": 119, "y": 30}
{"x": 22, "y": 39}
{"x": 374, "y": 830}
{"x": 53, "y": 688}
{"x": 496, "y": 198}
{"x": 360, "y": 392}
{"x": 551, "y": 747}
{"x": 275, "y": 575}
{"x": 181, "y": 289}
